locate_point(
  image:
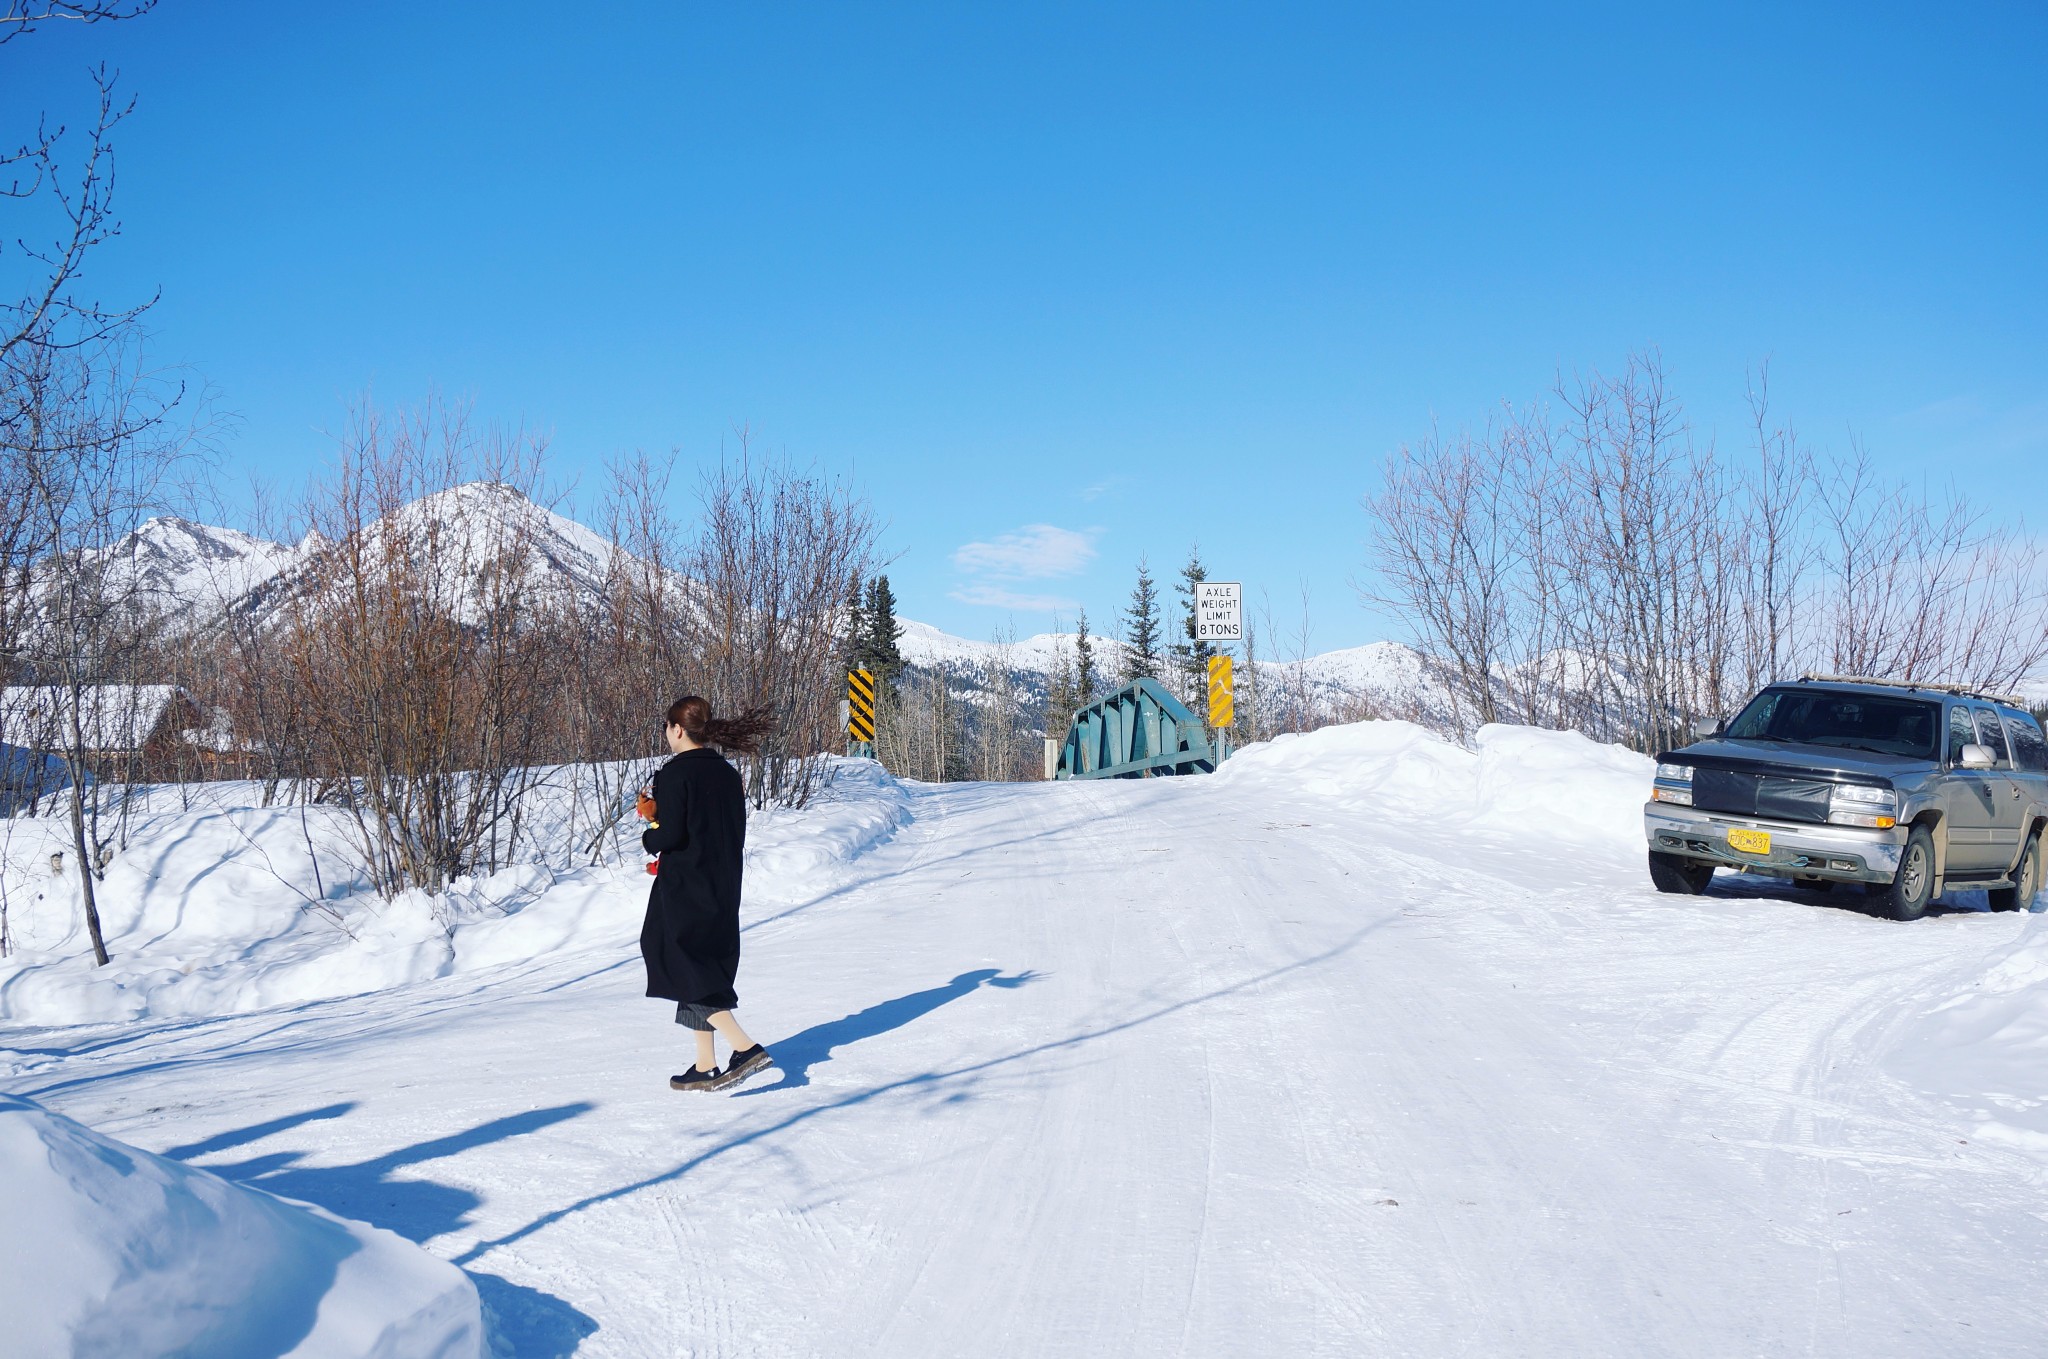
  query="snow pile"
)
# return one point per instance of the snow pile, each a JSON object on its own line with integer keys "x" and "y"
{"x": 1562, "y": 781}
{"x": 1516, "y": 777}
{"x": 795, "y": 855}
{"x": 134, "y": 1256}
{"x": 1984, "y": 1048}
{"x": 226, "y": 909}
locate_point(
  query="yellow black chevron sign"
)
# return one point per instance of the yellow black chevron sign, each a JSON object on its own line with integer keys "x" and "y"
{"x": 860, "y": 704}
{"x": 1222, "y": 693}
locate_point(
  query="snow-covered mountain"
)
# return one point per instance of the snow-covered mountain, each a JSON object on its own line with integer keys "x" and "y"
{"x": 1384, "y": 679}
{"x": 461, "y": 531}
{"x": 188, "y": 575}
{"x": 188, "y": 565}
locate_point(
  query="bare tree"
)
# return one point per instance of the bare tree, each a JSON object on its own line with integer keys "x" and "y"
{"x": 1250, "y": 685}
{"x": 419, "y": 685}
{"x": 921, "y": 728}
{"x": 630, "y": 653}
{"x": 49, "y": 315}
{"x": 19, "y": 18}
{"x": 998, "y": 742}
{"x": 1608, "y": 572}
{"x": 768, "y": 577}
{"x": 86, "y": 441}
{"x": 1648, "y": 585}
{"x": 1772, "y": 546}
{"x": 1446, "y": 556}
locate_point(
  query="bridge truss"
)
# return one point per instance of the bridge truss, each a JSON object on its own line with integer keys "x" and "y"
{"x": 1139, "y": 731}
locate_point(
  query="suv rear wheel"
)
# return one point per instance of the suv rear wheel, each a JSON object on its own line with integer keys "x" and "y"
{"x": 1686, "y": 877}
{"x": 1912, "y": 887}
{"x": 2025, "y": 883}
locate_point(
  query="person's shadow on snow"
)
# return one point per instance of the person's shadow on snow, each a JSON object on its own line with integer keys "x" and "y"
{"x": 798, "y": 1053}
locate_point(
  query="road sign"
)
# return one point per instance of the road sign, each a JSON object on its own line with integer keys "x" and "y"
{"x": 860, "y": 704}
{"x": 1219, "y": 611}
{"x": 1222, "y": 693}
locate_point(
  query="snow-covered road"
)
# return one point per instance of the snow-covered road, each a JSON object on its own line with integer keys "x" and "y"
{"x": 1285, "y": 1061}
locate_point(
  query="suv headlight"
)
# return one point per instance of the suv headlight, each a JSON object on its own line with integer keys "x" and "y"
{"x": 1674, "y": 784}
{"x": 1852, "y": 804}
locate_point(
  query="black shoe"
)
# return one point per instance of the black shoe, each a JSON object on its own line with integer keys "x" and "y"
{"x": 744, "y": 1064}
{"x": 693, "y": 1079}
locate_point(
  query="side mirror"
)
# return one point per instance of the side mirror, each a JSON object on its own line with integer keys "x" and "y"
{"x": 1707, "y": 726}
{"x": 1978, "y": 757}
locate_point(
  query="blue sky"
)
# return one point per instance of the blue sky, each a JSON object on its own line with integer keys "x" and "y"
{"x": 1064, "y": 284}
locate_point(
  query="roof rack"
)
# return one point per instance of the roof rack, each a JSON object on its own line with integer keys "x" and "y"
{"x": 1958, "y": 690}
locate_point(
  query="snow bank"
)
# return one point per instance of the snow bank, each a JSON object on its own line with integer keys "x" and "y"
{"x": 1512, "y": 778}
{"x": 793, "y": 856}
{"x": 1984, "y": 1047}
{"x": 115, "y": 1252}
{"x": 227, "y": 909}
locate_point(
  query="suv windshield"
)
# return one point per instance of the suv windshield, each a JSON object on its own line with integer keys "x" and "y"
{"x": 1820, "y": 717}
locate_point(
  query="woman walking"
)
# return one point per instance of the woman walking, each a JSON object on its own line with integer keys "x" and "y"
{"x": 697, "y": 824}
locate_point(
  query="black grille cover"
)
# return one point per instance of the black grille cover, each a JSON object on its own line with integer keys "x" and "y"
{"x": 1793, "y": 799}
{"x": 1782, "y": 799}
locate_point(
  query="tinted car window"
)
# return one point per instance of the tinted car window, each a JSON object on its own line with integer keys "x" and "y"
{"x": 2029, "y": 750}
{"x": 1961, "y": 732}
{"x": 1821, "y": 717}
{"x": 1991, "y": 733}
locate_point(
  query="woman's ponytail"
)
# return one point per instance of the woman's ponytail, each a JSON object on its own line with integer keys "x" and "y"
{"x": 742, "y": 734}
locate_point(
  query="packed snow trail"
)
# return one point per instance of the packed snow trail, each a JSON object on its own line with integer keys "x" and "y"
{"x": 1284, "y": 1061}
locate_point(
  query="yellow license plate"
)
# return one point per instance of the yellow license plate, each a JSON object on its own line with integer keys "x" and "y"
{"x": 1749, "y": 841}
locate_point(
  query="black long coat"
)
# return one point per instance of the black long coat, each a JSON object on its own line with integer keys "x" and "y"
{"x": 691, "y": 939}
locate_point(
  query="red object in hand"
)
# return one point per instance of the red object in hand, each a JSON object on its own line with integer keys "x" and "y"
{"x": 654, "y": 866}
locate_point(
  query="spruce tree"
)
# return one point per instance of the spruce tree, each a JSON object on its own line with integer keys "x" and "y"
{"x": 1084, "y": 665}
{"x": 1141, "y": 628}
{"x": 854, "y": 646}
{"x": 1060, "y": 689}
{"x": 883, "y": 632}
{"x": 1191, "y": 656}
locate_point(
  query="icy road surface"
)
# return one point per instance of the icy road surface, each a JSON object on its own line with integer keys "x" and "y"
{"x": 1277, "y": 1062}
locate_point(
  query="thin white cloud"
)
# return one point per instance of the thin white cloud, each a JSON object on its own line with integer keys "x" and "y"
{"x": 1949, "y": 408}
{"x": 1034, "y": 552}
{"x": 996, "y": 597}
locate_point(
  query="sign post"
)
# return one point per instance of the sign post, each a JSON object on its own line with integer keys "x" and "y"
{"x": 860, "y": 712}
{"x": 1219, "y": 617}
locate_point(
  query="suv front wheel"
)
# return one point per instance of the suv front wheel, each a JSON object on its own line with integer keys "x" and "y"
{"x": 1912, "y": 887}
{"x": 1687, "y": 877}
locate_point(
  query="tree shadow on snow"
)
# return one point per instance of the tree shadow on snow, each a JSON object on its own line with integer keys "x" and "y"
{"x": 798, "y": 1053}
{"x": 255, "y": 1132}
{"x": 523, "y": 1323}
{"x": 418, "y": 1210}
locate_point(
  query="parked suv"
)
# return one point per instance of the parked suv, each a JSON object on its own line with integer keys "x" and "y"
{"x": 1911, "y": 789}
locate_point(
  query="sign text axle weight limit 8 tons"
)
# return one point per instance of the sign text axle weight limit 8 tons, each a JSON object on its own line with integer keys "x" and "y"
{"x": 1219, "y": 611}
